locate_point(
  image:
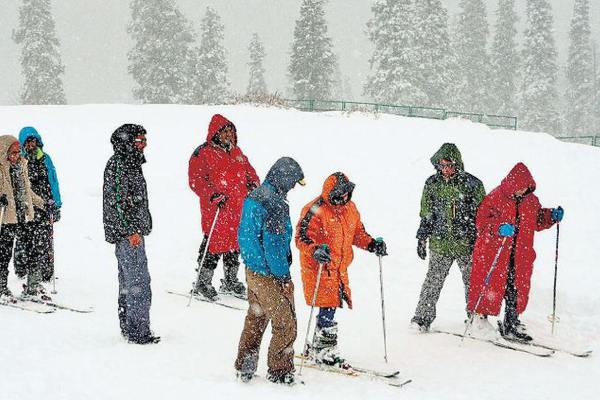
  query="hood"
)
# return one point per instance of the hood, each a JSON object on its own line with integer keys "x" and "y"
{"x": 335, "y": 186}
{"x": 5, "y": 142}
{"x": 122, "y": 140}
{"x": 28, "y": 132}
{"x": 217, "y": 123}
{"x": 518, "y": 178}
{"x": 448, "y": 151}
{"x": 284, "y": 174}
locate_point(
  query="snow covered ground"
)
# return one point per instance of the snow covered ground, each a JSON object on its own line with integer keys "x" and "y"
{"x": 82, "y": 356}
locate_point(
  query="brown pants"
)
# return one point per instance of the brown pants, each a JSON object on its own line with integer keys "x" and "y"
{"x": 269, "y": 300}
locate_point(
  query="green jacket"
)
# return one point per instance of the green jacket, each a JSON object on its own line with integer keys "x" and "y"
{"x": 448, "y": 208}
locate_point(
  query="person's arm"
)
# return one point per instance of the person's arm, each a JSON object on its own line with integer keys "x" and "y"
{"x": 426, "y": 225}
{"x": 309, "y": 230}
{"x": 250, "y": 234}
{"x": 114, "y": 216}
{"x": 53, "y": 180}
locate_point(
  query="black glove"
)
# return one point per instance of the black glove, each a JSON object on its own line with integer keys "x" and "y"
{"x": 219, "y": 199}
{"x": 55, "y": 214}
{"x": 422, "y": 249}
{"x": 378, "y": 247}
{"x": 3, "y": 201}
{"x": 322, "y": 255}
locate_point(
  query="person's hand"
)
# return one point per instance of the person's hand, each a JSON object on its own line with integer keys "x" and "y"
{"x": 378, "y": 247}
{"x": 135, "y": 239}
{"x": 219, "y": 199}
{"x": 506, "y": 230}
{"x": 322, "y": 254}
{"x": 557, "y": 214}
{"x": 3, "y": 201}
{"x": 422, "y": 249}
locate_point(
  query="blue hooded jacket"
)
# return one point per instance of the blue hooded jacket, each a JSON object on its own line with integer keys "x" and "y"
{"x": 265, "y": 231}
{"x": 28, "y": 132}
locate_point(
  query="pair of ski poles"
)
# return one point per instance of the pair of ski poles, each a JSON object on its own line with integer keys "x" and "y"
{"x": 553, "y": 318}
{"x": 312, "y": 309}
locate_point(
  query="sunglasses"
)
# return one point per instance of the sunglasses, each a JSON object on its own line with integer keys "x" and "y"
{"x": 139, "y": 140}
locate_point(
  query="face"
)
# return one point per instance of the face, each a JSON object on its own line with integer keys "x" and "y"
{"x": 140, "y": 142}
{"x": 226, "y": 136}
{"x": 14, "y": 153}
{"x": 31, "y": 144}
{"x": 447, "y": 167}
{"x": 520, "y": 193}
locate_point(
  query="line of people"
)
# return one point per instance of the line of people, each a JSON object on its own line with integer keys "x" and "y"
{"x": 30, "y": 204}
{"x": 242, "y": 216}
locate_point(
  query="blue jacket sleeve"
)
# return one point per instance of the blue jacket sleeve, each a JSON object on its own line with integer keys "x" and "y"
{"x": 53, "y": 179}
{"x": 250, "y": 236}
{"x": 277, "y": 250}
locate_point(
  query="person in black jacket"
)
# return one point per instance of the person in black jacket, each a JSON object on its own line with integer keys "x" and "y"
{"x": 127, "y": 220}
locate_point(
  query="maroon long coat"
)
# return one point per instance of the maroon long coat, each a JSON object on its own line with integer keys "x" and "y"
{"x": 498, "y": 207}
{"x": 214, "y": 170}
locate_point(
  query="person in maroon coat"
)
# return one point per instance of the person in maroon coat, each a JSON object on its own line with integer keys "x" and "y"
{"x": 221, "y": 175}
{"x": 508, "y": 216}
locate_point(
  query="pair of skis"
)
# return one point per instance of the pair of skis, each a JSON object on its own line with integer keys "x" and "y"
{"x": 534, "y": 348}
{"x": 40, "y": 306}
{"x": 203, "y": 299}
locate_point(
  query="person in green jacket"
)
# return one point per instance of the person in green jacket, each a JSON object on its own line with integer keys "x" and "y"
{"x": 448, "y": 209}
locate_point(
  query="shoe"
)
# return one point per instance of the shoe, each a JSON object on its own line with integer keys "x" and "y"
{"x": 244, "y": 376}
{"x": 207, "y": 291}
{"x": 510, "y": 332}
{"x": 234, "y": 288}
{"x": 482, "y": 328}
{"x": 148, "y": 339}
{"x": 418, "y": 325}
{"x": 286, "y": 378}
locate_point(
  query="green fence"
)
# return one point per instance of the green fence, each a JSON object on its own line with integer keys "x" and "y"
{"x": 494, "y": 121}
{"x": 589, "y": 140}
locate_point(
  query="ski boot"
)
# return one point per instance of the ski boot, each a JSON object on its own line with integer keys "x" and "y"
{"x": 482, "y": 328}
{"x": 233, "y": 288}
{"x": 286, "y": 378}
{"x": 512, "y": 333}
{"x": 35, "y": 292}
{"x": 419, "y": 325}
{"x": 325, "y": 350}
{"x": 249, "y": 365}
{"x": 204, "y": 287}
{"x": 7, "y": 296}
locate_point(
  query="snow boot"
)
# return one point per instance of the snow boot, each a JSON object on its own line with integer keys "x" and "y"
{"x": 325, "y": 350}
{"x": 148, "y": 339}
{"x": 233, "y": 288}
{"x": 510, "y": 332}
{"x": 249, "y": 366}
{"x": 230, "y": 284}
{"x": 204, "y": 285}
{"x": 35, "y": 291}
{"x": 419, "y": 325}
{"x": 286, "y": 378}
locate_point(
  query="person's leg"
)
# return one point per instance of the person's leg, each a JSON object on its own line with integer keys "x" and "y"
{"x": 439, "y": 266}
{"x": 204, "y": 285}
{"x": 230, "y": 282}
{"x": 30, "y": 234}
{"x": 464, "y": 264}
{"x": 6, "y": 248}
{"x": 325, "y": 317}
{"x": 254, "y": 328}
{"x": 510, "y": 301}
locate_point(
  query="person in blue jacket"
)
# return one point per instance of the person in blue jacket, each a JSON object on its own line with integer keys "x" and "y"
{"x": 264, "y": 236}
{"x": 39, "y": 235}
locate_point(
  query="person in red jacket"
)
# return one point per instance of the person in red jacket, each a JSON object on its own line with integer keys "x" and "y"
{"x": 221, "y": 175}
{"x": 508, "y": 217}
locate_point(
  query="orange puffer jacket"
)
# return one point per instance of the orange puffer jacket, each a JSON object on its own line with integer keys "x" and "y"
{"x": 338, "y": 226}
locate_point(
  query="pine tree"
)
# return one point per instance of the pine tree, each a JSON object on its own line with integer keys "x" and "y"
{"x": 505, "y": 60}
{"x": 394, "y": 77}
{"x": 211, "y": 84}
{"x": 580, "y": 73}
{"x": 539, "y": 100}
{"x": 312, "y": 60}
{"x": 161, "y": 59}
{"x": 470, "y": 46}
{"x": 433, "y": 51}
{"x": 40, "y": 56}
{"x": 257, "y": 86}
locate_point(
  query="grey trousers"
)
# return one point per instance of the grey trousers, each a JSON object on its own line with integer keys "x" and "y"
{"x": 135, "y": 295}
{"x": 439, "y": 267}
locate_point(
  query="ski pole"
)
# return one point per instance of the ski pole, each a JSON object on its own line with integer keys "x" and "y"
{"x": 2, "y": 218}
{"x": 383, "y": 311}
{"x": 53, "y": 291}
{"x": 212, "y": 227}
{"x": 312, "y": 309}
{"x": 486, "y": 282}
{"x": 554, "y": 318}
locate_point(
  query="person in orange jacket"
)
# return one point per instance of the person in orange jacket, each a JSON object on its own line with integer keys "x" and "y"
{"x": 328, "y": 228}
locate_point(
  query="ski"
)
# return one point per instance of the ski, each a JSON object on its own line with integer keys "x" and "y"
{"x": 505, "y": 344}
{"x": 22, "y": 305}
{"x": 574, "y": 353}
{"x": 58, "y": 306}
{"x": 391, "y": 378}
{"x": 202, "y": 299}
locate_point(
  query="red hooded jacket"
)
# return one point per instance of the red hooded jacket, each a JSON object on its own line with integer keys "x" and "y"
{"x": 499, "y": 207}
{"x": 214, "y": 170}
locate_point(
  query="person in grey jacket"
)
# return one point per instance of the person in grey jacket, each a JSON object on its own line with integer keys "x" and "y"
{"x": 127, "y": 220}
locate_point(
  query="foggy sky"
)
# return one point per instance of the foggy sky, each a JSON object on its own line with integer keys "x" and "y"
{"x": 94, "y": 41}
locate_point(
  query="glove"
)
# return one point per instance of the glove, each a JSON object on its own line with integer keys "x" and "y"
{"x": 422, "y": 249}
{"x": 322, "y": 255}
{"x": 56, "y": 215}
{"x": 378, "y": 247}
{"x": 53, "y": 211}
{"x": 135, "y": 240}
{"x": 219, "y": 199}
{"x": 3, "y": 201}
{"x": 557, "y": 214}
{"x": 506, "y": 230}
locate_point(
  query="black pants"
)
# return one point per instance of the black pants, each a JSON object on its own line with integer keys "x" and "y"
{"x": 35, "y": 249}
{"x": 231, "y": 261}
{"x": 511, "y": 318}
{"x": 29, "y": 253}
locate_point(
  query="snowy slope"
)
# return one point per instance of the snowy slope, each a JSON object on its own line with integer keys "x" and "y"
{"x": 67, "y": 355}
